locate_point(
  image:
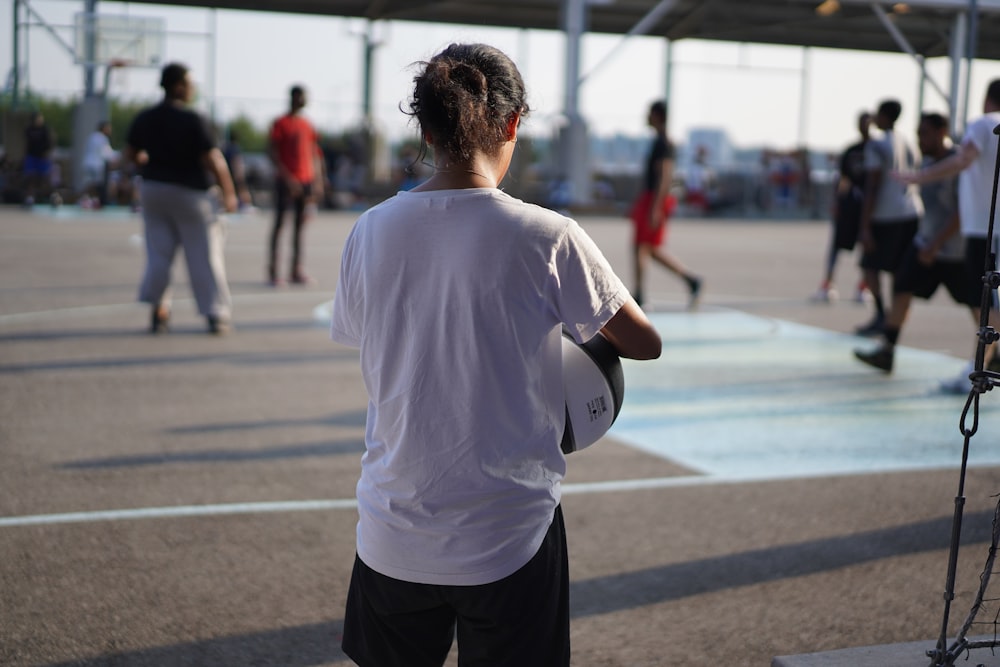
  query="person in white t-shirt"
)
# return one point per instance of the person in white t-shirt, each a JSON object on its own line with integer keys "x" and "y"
{"x": 456, "y": 295}
{"x": 974, "y": 163}
{"x": 890, "y": 210}
{"x": 97, "y": 157}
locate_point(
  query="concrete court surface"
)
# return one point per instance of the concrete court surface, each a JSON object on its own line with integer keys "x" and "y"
{"x": 186, "y": 500}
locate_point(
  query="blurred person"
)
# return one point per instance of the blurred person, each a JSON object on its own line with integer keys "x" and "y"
{"x": 890, "y": 209}
{"x": 98, "y": 156}
{"x": 294, "y": 149}
{"x": 233, "y": 153}
{"x": 652, "y": 209}
{"x": 846, "y": 214}
{"x": 936, "y": 255}
{"x": 698, "y": 182}
{"x": 974, "y": 164}
{"x": 456, "y": 294}
{"x": 39, "y": 142}
{"x": 178, "y": 157}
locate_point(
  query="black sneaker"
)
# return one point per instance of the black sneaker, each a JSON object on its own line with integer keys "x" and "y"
{"x": 695, "y": 296}
{"x": 881, "y": 357}
{"x": 873, "y": 328}
{"x": 218, "y": 326}
{"x": 159, "y": 321}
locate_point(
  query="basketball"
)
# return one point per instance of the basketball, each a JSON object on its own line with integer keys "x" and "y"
{"x": 594, "y": 385}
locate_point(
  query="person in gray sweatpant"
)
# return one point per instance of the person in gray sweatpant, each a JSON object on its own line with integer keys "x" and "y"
{"x": 180, "y": 163}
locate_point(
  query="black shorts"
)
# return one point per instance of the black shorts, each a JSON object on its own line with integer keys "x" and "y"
{"x": 922, "y": 280}
{"x": 520, "y": 621}
{"x": 891, "y": 242}
{"x": 975, "y": 267}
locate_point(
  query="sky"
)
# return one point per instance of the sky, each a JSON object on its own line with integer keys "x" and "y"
{"x": 753, "y": 92}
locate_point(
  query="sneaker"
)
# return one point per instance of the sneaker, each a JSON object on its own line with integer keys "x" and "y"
{"x": 873, "y": 328}
{"x": 695, "y": 296}
{"x": 159, "y": 321}
{"x": 881, "y": 357}
{"x": 299, "y": 278}
{"x": 218, "y": 326}
{"x": 824, "y": 295}
{"x": 273, "y": 279}
{"x": 960, "y": 384}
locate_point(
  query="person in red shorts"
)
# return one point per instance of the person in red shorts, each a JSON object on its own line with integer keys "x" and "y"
{"x": 295, "y": 152}
{"x": 652, "y": 210}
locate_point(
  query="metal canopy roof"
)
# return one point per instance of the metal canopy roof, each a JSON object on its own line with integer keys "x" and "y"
{"x": 925, "y": 24}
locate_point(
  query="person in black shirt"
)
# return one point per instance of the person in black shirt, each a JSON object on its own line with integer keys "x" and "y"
{"x": 652, "y": 210}
{"x": 846, "y": 216}
{"x": 39, "y": 143}
{"x": 179, "y": 163}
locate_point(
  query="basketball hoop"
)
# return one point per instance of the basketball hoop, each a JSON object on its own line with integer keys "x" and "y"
{"x": 119, "y": 41}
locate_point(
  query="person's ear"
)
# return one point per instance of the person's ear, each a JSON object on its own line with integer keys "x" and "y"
{"x": 512, "y": 124}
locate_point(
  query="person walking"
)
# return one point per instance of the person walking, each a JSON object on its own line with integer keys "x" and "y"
{"x": 296, "y": 155}
{"x": 651, "y": 211}
{"x": 890, "y": 209}
{"x": 846, "y": 214}
{"x": 935, "y": 257}
{"x": 456, "y": 294}
{"x": 178, "y": 157}
{"x": 974, "y": 164}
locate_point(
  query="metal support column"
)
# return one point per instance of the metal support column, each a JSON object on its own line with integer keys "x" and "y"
{"x": 90, "y": 48}
{"x": 16, "y": 82}
{"x": 956, "y": 112}
{"x": 573, "y": 140}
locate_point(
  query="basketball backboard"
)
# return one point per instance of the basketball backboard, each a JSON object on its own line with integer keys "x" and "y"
{"x": 136, "y": 41}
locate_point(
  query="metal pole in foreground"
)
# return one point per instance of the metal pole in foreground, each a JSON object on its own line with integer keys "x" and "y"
{"x": 15, "y": 93}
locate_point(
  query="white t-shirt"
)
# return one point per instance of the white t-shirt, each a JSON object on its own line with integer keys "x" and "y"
{"x": 894, "y": 201}
{"x": 975, "y": 183}
{"x": 97, "y": 152}
{"x": 456, "y": 299}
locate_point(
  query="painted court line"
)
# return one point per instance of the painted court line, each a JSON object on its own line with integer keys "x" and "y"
{"x": 230, "y": 509}
{"x": 103, "y": 309}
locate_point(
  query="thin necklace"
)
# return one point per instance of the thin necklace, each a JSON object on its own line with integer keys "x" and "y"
{"x": 461, "y": 171}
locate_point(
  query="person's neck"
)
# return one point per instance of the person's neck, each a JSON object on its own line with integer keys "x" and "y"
{"x": 452, "y": 176}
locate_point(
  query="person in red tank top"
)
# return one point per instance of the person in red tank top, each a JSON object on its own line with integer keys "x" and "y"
{"x": 298, "y": 161}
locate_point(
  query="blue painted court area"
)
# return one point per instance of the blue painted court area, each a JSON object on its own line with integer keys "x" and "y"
{"x": 737, "y": 396}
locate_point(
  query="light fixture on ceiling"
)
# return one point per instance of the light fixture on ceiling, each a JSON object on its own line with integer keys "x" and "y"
{"x": 900, "y": 8}
{"x": 828, "y": 7}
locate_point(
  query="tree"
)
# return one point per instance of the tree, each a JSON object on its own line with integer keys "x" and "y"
{"x": 251, "y": 139}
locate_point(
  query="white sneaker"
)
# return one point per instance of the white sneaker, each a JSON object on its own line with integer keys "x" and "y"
{"x": 960, "y": 384}
{"x": 824, "y": 295}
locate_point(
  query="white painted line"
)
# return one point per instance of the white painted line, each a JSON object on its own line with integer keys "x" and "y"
{"x": 262, "y": 297}
{"x": 185, "y": 511}
{"x": 179, "y": 512}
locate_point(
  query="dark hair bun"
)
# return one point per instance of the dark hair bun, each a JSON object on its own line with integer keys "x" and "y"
{"x": 464, "y": 97}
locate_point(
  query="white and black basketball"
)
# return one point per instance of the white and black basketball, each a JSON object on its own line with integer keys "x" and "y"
{"x": 595, "y": 387}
